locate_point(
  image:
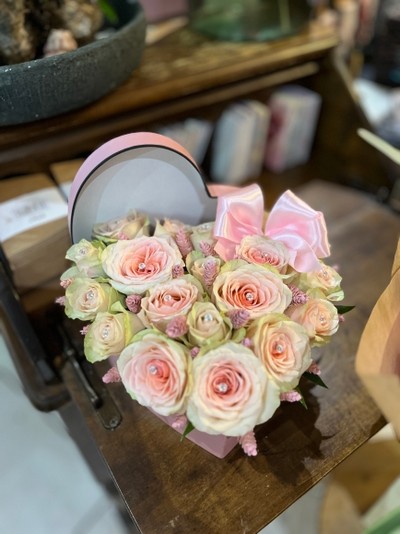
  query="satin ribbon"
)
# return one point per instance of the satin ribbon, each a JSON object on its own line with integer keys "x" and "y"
{"x": 302, "y": 229}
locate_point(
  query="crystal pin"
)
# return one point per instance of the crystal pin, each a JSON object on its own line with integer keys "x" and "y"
{"x": 153, "y": 369}
{"x": 105, "y": 332}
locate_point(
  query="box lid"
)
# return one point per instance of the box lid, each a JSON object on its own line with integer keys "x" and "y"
{"x": 141, "y": 171}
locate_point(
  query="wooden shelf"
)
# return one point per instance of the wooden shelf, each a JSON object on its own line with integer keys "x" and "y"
{"x": 190, "y": 75}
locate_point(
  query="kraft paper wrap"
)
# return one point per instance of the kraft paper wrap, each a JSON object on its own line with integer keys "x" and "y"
{"x": 38, "y": 254}
{"x": 378, "y": 355}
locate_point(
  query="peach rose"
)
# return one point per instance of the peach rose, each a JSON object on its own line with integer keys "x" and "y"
{"x": 284, "y": 348}
{"x": 231, "y": 391}
{"x": 133, "y": 225}
{"x": 319, "y": 317}
{"x": 170, "y": 299}
{"x": 156, "y": 371}
{"x": 136, "y": 265}
{"x": 252, "y": 288}
{"x": 263, "y": 250}
{"x": 85, "y": 298}
{"x": 109, "y": 334}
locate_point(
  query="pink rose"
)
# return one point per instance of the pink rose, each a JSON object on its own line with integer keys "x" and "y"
{"x": 169, "y": 300}
{"x": 252, "y": 288}
{"x": 136, "y": 265}
{"x": 156, "y": 371}
{"x": 231, "y": 391}
{"x": 284, "y": 348}
{"x": 262, "y": 250}
{"x": 319, "y": 317}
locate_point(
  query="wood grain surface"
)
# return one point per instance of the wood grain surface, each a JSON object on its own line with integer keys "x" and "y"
{"x": 172, "y": 486}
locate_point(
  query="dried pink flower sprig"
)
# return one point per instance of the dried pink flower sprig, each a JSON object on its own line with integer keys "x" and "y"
{"x": 216, "y": 336}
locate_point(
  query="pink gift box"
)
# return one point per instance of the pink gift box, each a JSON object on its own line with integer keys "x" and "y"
{"x": 218, "y": 445}
{"x": 150, "y": 173}
{"x": 140, "y": 171}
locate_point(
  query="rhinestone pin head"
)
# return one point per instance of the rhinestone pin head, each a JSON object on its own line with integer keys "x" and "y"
{"x": 153, "y": 369}
{"x": 222, "y": 387}
{"x": 249, "y": 296}
{"x": 105, "y": 332}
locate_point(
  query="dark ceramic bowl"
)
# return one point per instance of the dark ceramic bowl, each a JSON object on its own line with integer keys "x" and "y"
{"x": 53, "y": 85}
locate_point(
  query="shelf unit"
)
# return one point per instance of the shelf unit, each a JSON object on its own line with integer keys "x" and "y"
{"x": 189, "y": 75}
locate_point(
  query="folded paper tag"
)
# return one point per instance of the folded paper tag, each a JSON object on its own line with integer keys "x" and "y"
{"x": 30, "y": 211}
{"x": 33, "y": 229}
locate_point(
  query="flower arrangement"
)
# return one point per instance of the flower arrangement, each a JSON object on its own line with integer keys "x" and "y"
{"x": 213, "y": 324}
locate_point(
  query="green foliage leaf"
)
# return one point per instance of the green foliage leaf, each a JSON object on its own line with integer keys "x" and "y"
{"x": 232, "y": 265}
{"x": 316, "y": 379}
{"x": 302, "y": 401}
{"x": 108, "y": 10}
{"x": 189, "y": 427}
{"x": 343, "y": 309}
{"x": 239, "y": 335}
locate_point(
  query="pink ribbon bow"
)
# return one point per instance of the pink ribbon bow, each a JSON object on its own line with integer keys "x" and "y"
{"x": 303, "y": 230}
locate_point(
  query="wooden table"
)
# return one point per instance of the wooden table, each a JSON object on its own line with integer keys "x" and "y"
{"x": 169, "y": 486}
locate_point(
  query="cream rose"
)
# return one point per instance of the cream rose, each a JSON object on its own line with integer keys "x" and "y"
{"x": 231, "y": 391}
{"x": 206, "y": 325}
{"x": 136, "y": 265}
{"x": 133, "y": 225}
{"x": 87, "y": 257}
{"x": 205, "y": 269}
{"x": 203, "y": 233}
{"x": 284, "y": 348}
{"x": 325, "y": 281}
{"x": 171, "y": 227}
{"x": 319, "y": 317}
{"x": 169, "y": 300}
{"x": 156, "y": 371}
{"x": 252, "y": 288}
{"x": 109, "y": 334}
{"x": 85, "y": 298}
{"x": 262, "y": 250}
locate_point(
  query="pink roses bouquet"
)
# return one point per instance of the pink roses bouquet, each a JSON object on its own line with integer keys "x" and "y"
{"x": 213, "y": 324}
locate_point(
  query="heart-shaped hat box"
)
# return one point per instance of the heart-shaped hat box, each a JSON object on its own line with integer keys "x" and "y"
{"x": 141, "y": 171}
{"x": 153, "y": 174}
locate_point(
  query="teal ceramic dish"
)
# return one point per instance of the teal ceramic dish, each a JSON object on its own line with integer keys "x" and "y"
{"x": 47, "y": 87}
